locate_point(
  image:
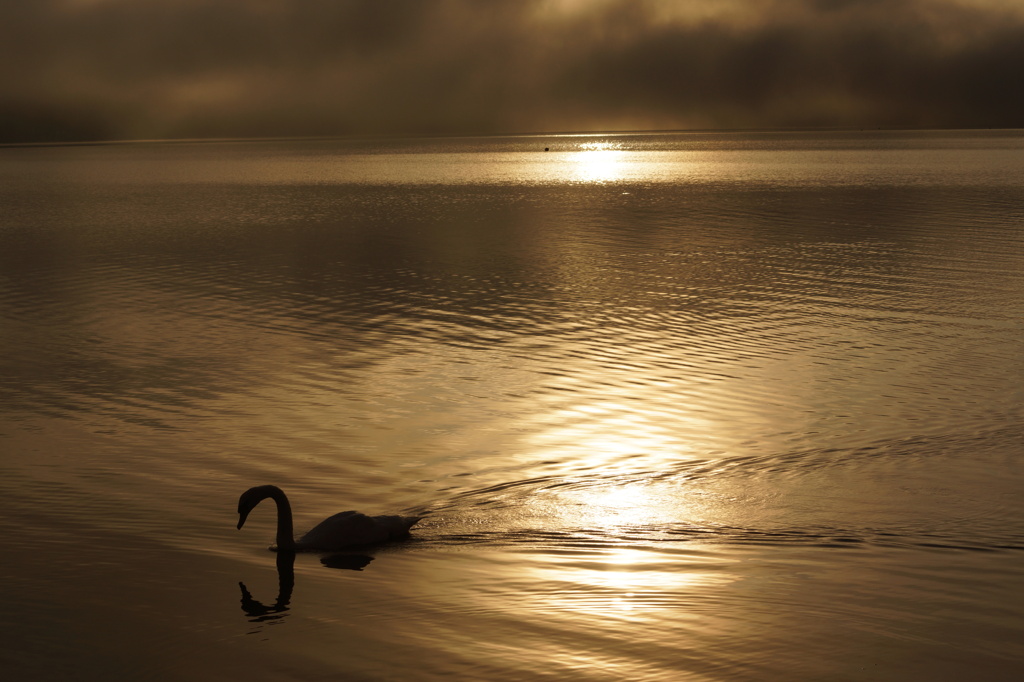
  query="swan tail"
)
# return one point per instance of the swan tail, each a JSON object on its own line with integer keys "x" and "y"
{"x": 398, "y": 526}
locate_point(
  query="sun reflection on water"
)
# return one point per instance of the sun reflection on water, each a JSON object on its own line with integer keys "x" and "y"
{"x": 627, "y": 432}
{"x": 598, "y": 162}
{"x": 618, "y": 506}
{"x": 627, "y": 582}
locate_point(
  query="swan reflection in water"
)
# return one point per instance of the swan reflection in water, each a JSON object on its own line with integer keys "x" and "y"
{"x": 258, "y": 612}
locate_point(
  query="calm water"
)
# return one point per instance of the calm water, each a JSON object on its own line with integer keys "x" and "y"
{"x": 709, "y": 407}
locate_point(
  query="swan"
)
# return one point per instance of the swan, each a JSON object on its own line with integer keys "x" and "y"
{"x": 347, "y": 529}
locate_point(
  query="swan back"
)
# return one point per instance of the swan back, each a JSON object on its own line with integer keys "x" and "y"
{"x": 352, "y": 529}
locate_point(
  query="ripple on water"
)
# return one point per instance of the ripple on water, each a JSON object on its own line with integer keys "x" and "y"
{"x": 736, "y": 425}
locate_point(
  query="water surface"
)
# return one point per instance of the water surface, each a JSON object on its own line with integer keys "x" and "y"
{"x": 678, "y": 406}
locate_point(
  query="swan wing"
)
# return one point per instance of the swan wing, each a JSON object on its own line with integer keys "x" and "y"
{"x": 352, "y": 529}
{"x": 349, "y": 528}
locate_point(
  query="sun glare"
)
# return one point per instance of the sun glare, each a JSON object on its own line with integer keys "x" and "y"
{"x": 626, "y": 582}
{"x": 611, "y": 434}
{"x": 598, "y": 162}
{"x": 621, "y": 505}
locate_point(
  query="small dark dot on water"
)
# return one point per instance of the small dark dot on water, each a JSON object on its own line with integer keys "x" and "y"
{"x": 547, "y": 149}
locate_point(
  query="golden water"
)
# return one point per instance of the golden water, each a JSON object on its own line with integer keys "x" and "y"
{"x": 712, "y": 407}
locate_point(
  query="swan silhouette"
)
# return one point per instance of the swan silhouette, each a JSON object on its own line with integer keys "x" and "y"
{"x": 347, "y": 529}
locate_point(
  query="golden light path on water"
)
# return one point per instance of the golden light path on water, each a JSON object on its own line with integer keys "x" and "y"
{"x": 620, "y": 574}
{"x": 603, "y": 433}
{"x": 623, "y": 583}
{"x": 607, "y": 435}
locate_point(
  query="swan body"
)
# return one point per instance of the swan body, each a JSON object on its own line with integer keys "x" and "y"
{"x": 347, "y": 529}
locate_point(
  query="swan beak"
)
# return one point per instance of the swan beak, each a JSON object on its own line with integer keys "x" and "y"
{"x": 241, "y": 519}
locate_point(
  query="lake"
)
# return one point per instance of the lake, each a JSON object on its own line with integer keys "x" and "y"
{"x": 682, "y": 406}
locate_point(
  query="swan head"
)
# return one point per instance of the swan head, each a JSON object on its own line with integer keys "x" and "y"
{"x": 251, "y": 497}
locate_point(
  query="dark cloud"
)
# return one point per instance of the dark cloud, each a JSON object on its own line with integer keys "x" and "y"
{"x": 100, "y": 69}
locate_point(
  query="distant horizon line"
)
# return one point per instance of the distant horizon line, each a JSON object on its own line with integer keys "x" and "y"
{"x": 564, "y": 133}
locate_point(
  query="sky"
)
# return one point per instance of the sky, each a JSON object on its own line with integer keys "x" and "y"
{"x": 152, "y": 69}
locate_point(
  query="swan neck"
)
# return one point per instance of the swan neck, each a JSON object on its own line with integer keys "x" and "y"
{"x": 285, "y": 532}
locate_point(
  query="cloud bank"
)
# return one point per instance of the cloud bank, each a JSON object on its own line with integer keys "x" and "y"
{"x": 143, "y": 69}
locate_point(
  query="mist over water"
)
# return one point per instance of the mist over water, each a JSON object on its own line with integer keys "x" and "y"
{"x": 681, "y": 406}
